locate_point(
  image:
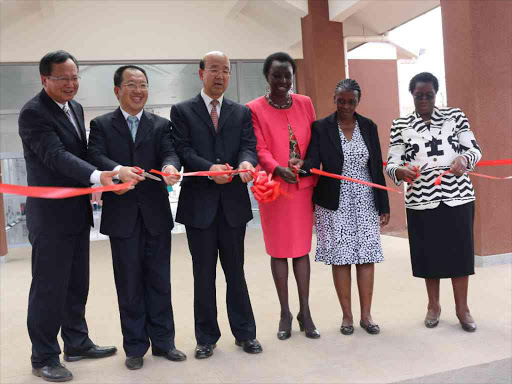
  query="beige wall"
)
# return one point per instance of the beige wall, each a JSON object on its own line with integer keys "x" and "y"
{"x": 142, "y": 30}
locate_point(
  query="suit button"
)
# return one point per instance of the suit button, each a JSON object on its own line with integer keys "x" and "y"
{"x": 435, "y": 158}
{"x": 217, "y": 160}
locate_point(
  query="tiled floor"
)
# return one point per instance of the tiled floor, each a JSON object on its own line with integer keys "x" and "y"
{"x": 404, "y": 350}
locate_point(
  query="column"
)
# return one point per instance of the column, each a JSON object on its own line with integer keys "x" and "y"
{"x": 477, "y": 49}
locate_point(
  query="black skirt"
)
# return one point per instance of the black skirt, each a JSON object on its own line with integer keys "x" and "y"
{"x": 441, "y": 241}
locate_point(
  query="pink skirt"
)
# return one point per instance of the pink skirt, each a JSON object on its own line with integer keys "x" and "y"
{"x": 288, "y": 223}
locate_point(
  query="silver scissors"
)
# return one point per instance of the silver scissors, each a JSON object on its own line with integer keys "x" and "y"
{"x": 146, "y": 174}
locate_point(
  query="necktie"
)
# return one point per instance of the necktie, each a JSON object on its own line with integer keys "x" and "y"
{"x": 67, "y": 111}
{"x": 133, "y": 124}
{"x": 214, "y": 115}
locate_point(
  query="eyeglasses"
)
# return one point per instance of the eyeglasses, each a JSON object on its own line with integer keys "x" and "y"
{"x": 65, "y": 79}
{"x": 421, "y": 96}
{"x": 217, "y": 72}
{"x": 133, "y": 86}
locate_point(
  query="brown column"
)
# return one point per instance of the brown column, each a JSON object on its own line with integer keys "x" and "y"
{"x": 378, "y": 80}
{"x": 478, "y": 61}
{"x": 323, "y": 65}
{"x": 3, "y": 235}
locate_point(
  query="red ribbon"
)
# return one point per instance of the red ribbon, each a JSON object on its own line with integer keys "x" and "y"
{"x": 58, "y": 192}
{"x": 335, "y": 176}
{"x": 264, "y": 189}
{"x": 438, "y": 178}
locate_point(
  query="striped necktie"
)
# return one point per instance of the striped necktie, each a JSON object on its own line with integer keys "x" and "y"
{"x": 214, "y": 115}
{"x": 67, "y": 111}
{"x": 133, "y": 124}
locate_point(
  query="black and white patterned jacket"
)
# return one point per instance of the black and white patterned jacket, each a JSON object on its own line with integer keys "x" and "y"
{"x": 449, "y": 136}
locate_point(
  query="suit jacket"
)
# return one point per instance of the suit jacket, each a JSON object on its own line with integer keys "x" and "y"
{"x": 111, "y": 144}
{"x": 55, "y": 156}
{"x": 199, "y": 147}
{"x": 325, "y": 148}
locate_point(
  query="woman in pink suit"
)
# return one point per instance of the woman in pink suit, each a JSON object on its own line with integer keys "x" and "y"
{"x": 282, "y": 124}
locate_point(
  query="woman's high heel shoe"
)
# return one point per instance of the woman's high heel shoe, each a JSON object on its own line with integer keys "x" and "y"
{"x": 311, "y": 334}
{"x": 287, "y": 333}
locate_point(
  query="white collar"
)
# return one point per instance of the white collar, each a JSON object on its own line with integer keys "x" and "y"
{"x": 207, "y": 99}
{"x": 126, "y": 114}
{"x": 61, "y": 106}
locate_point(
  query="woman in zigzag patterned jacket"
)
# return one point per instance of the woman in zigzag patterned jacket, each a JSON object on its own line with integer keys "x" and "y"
{"x": 440, "y": 218}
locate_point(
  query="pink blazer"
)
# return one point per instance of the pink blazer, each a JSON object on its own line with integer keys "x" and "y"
{"x": 271, "y": 129}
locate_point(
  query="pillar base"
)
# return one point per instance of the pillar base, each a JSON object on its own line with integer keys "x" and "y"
{"x": 485, "y": 261}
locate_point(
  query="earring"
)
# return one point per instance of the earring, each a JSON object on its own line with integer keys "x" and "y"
{"x": 291, "y": 90}
{"x": 267, "y": 89}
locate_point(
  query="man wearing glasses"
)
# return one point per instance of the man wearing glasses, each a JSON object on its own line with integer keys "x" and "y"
{"x": 212, "y": 133}
{"x": 139, "y": 220}
{"x": 51, "y": 126}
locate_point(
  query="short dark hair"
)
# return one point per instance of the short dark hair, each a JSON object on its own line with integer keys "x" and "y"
{"x": 282, "y": 57}
{"x": 424, "y": 77}
{"x": 118, "y": 74}
{"x": 55, "y": 57}
{"x": 348, "y": 85}
{"x": 201, "y": 64}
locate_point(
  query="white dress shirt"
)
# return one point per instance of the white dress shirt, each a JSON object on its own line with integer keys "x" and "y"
{"x": 207, "y": 100}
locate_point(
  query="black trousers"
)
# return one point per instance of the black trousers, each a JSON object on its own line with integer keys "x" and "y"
{"x": 58, "y": 294}
{"x": 142, "y": 272}
{"x": 227, "y": 243}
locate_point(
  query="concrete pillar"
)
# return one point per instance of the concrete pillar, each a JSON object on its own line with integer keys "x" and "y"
{"x": 3, "y": 235}
{"x": 477, "y": 50}
{"x": 378, "y": 80}
{"x": 323, "y": 65}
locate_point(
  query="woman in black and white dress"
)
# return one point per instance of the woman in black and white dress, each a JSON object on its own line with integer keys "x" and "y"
{"x": 348, "y": 215}
{"x": 440, "y": 217}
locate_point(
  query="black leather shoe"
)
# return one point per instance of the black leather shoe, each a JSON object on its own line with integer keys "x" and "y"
{"x": 283, "y": 334}
{"x": 468, "y": 327}
{"x": 203, "y": 351}
{"x": 372, "y": 329}
{"x": 56, "y": 372}
{"x": 347, "y": 330}
{"x": 172, "y": 354}
{"x": 310, "y": 334}
{"x": 250, "y": 346}
{"x": 134, "y": 362}
{"x": 95, "y": 352}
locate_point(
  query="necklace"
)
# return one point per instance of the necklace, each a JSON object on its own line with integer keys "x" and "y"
{"x": 284, "y": 106}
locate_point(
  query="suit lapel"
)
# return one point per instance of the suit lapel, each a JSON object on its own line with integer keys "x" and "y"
{"x": 225, "y": 112}
{"x": 365, "y": 132}
{"x": 145, "y": 126}
{"x": 120, "y": 124}
{"x": 74, "y": 110}
{"x": 59, "y": 114}
{"x": 333, "y": 132}
{"x": 200, "y": 108}
{"x": 419, "y": 126}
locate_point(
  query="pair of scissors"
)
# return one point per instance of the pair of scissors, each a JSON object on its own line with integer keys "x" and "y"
{"x": 142, "y": 172}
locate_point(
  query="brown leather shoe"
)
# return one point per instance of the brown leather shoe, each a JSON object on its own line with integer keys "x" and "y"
{"x": 55, "y": 372}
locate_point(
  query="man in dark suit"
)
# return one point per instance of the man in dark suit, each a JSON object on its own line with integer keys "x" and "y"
{"x": 210, "y": 131}
{"x": 139, "y": 221}
{"x": 51, "y": 126}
